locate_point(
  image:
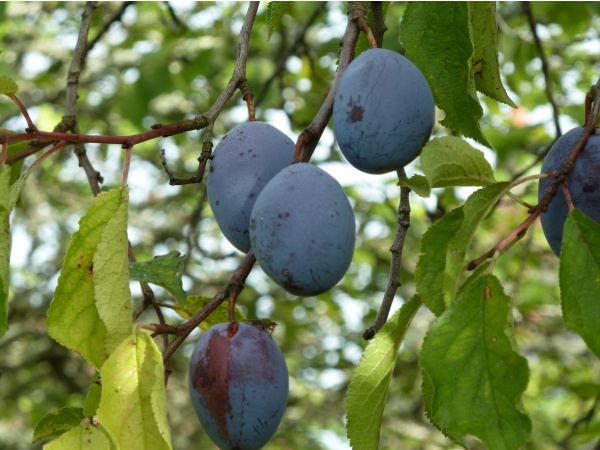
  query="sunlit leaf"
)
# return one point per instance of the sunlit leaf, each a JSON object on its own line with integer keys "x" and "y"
{"x": 365, "y": 400}
{"x": 437, "y": 39}
{"x": 56, "y": 422}
{"x": 473, "y": 376}
{"x": 450, "y": 161}
{"x": 482, "y": 16}
{"x": 165, "y": 271}
{"x": 579, "y": 276}
{"x": 133, "y": 402}
{"x": 73, "y": 318}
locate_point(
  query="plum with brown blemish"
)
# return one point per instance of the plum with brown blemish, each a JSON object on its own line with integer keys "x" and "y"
{"x": 238, "y": 382}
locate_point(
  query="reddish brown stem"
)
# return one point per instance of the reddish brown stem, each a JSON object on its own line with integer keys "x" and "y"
{"x": 23, "y": 110}
{"x": 567, "y": 166}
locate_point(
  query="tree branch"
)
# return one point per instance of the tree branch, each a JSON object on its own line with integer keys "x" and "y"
{"x": 309, "y": 138}
{"x": 396, "y": 261}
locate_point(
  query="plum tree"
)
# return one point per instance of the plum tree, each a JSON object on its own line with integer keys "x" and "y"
{"x": 383, "y": 111}
{"x": 302, "y": 230}
{"x": 238, "y": 382}
{"x": 582, "y": 182}
{"x": 243, "y": 162}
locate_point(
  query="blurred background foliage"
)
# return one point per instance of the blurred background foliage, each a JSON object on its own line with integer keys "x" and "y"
{"x": 161, "y": 62}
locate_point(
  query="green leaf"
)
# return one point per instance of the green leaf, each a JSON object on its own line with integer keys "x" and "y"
{"x": 86, "y": 436}
{"x": 450, "y": 161}
{"x": 579, "y": 276}
{"x": 5, "y": 244}
{"x": 370, "y": 380}
{"x": 57, "y": 422}
{"x": 73, "y": 318}
{"x": 473, "y": 377}
{"x": 133, "y": 404}
{"x": 165, "y": 271}
{"x": 437, "y": 39}
{"x": 15, "y": 190}
{"x": 8, "y": 86}
{"x": 92, "y": 399}
{"x": 194, "y": 303}
{"x": 275, "y": 11}
{"x": 482, "y": 16}
{"x": 429, "y": 273}
{"x": 475, "y": 210}
{"x": 111, "y": 277}
{"x": 418, "y": 183}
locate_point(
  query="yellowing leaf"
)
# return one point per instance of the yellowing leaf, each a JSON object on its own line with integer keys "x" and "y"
{"x": 83, "y": 437}
{"x": 133, "y": 401}
{"x": 73, "y": 318}
{"x": 111, "y": 277}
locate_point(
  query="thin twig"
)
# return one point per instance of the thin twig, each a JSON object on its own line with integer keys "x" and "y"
{"x": 567, "y": 166}
{"x": 395, "y": 262}
{"x": 545, "y": 66}
{"x": 309, "y": 138}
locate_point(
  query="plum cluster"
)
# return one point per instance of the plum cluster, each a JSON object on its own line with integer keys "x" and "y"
{"x": 300, "y": 225}
{"x": 238, "y": 382}
{"x": 383, "y": 112}
{"x": 582, "y": 183}
{"x": 296, "y": 217}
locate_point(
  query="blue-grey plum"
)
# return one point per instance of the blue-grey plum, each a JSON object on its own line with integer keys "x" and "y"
{"x": 243, "y": 163}
{"x": 238, "y": 382}
{"x": 302, "y": 230}
{"x": 383, "y": 111}
{"x": 583, "y": 183}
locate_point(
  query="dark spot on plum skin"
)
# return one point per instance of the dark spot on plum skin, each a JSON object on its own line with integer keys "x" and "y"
{"x": 283, "y": 215}
{"x": 356, "y": 115}
{"x": 589, "y": 188}
{"x": 251, "y": 194}
{"x": 212, "y": 168}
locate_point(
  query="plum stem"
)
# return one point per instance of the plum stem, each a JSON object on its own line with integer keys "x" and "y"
{"x": 559, "y": 178}
{"x": 396, "y": 261}
{"x": 183, "y": 330}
